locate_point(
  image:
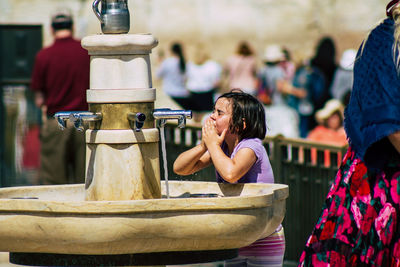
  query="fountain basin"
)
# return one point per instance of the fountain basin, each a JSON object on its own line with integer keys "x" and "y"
{"x": 57, "y": 219}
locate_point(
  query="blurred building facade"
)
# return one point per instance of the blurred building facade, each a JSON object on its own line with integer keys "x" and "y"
{"x": 297, "y": 24}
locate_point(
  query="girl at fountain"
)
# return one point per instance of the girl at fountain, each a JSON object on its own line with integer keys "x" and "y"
{"x": 232, "y": 142}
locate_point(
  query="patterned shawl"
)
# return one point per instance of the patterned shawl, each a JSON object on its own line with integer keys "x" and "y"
{"x": 374, "y": 109}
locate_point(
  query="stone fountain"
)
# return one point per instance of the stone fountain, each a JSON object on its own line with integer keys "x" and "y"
{"x": 119, "y": 217}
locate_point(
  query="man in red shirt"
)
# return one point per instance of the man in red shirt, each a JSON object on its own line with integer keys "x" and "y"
{"x": 60, "y": 79}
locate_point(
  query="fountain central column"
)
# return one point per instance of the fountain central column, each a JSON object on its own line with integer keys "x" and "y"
{"x": 122, "y": 150}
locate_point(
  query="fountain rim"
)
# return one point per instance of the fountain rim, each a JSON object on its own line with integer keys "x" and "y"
{"x": 264, "y": 198}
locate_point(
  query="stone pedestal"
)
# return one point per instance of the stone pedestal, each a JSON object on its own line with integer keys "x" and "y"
{"x": 121, "y": 163}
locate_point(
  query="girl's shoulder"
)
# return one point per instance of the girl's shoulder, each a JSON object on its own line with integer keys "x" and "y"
{"x": 253, "y": 143}
{"x": 250, "y": 140}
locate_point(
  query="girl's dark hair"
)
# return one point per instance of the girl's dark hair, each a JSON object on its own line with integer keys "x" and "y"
{"x": 246, "y": 108}
{"x": 177, "y": 50}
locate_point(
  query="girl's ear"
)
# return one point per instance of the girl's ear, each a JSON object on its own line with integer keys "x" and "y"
{"x": 244, "y": 123}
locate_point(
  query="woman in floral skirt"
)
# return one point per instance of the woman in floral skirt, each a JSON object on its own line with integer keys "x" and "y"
{"x": 359, "y": 224}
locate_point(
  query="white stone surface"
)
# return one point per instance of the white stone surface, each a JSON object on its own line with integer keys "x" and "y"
{"x": 119, "y": 61}
{"x": 4, "y": 260}
{"x": 122, "y": 164}
{"x": 120, "y": 72}
{"x": 121, "y": 95}
{"x": 59, "y": 221}
{"x": 119, "y": 44}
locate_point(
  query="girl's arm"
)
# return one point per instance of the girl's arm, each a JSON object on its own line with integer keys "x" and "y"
{"x": 192, "y": 160}
{"x": 231, "y": 170}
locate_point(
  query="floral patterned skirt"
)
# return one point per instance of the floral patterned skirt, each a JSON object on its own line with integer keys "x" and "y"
{"x": 359, "y": 224}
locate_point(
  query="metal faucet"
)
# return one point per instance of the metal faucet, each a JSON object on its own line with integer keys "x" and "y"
{"x": 164, "y": 114}
{"x": 77, "y": 117}
{"x": 137, "y": 119}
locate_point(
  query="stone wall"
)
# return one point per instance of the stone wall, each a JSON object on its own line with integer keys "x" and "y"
{"x": 220, "y": 24}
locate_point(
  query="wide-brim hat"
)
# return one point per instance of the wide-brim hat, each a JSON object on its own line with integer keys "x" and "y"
{"x": 273, "y": 53}
{"x": 329, "y": 109}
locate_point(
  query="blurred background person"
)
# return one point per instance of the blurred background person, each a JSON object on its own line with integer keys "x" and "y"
{"x": 281, "y": 118}
{"x": 330, "y": 128}
{"x": 274, "y": 75}
{"x": 325, "y": 61}
{"x": 330, "y": 124}
{"x": 240, "y": 70}
{"x": 270, "y": 73}
{"x": 343, "y": 78}
{"x": 302, "y": 92}
{"x": 172, "y": 72}
{"x": 288, "y": 65}
{"x": 310, "y": 88}
{"x": 60, "y": 79}
{"x": 203, "y": 75}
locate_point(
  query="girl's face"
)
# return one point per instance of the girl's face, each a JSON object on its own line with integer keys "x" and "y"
{"x": 222, "y": 114}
